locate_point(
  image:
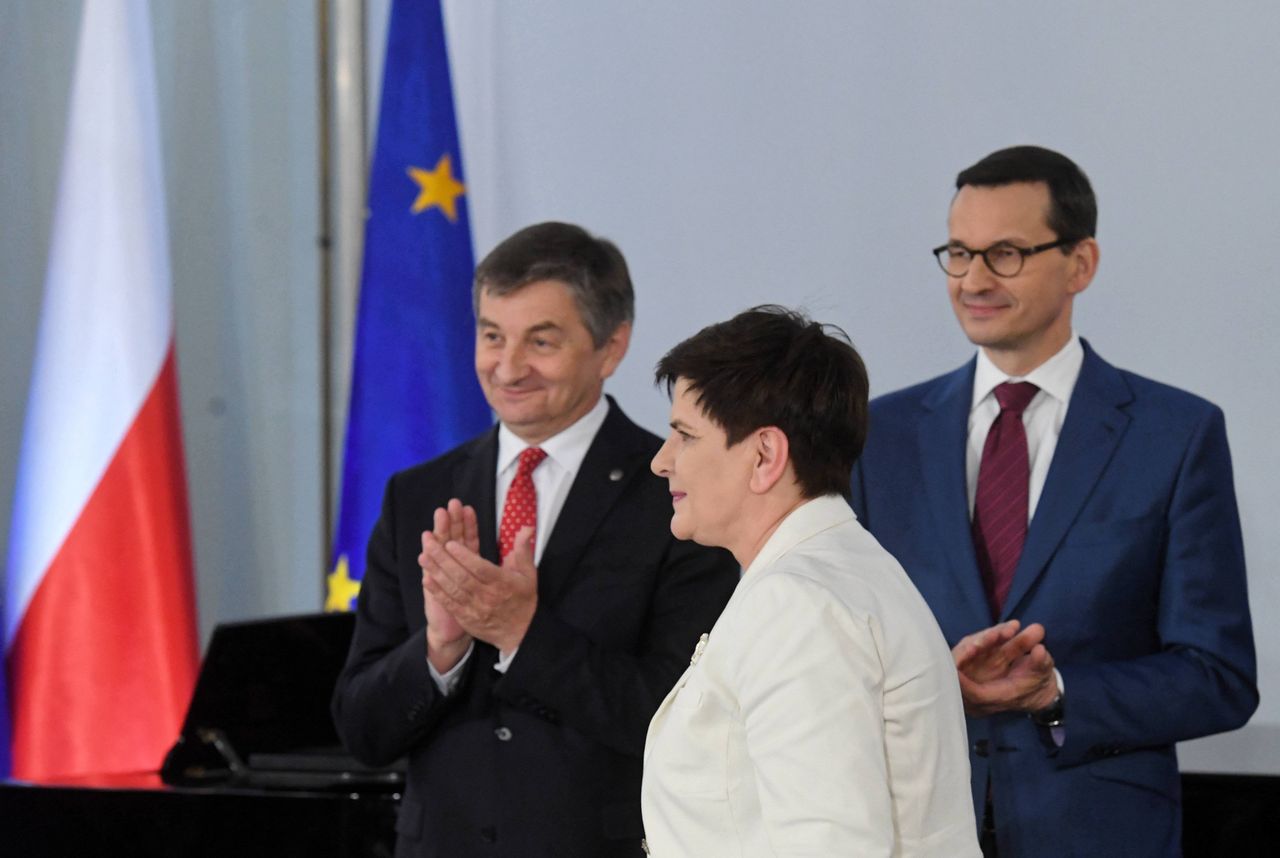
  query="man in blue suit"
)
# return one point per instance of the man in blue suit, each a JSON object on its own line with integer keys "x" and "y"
{"x": 1074, "y": 528}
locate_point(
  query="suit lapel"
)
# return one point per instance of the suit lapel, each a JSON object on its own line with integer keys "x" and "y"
{"x": 474, "y": 479}
{"x": 1094, "y": 426}
{"x": 611, "y": 463}
{"x": 943, "y": 432}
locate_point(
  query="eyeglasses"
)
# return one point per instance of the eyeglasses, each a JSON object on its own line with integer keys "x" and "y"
{"x": 1002, "y": 258}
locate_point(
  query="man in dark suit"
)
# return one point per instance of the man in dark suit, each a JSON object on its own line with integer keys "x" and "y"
{"x": 1086, "y": 511}
{"x": 525, "y": 607}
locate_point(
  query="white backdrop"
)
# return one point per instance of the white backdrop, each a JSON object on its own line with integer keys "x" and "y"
{"x": 804, "y": 153}
{"x": 739, "y": 152}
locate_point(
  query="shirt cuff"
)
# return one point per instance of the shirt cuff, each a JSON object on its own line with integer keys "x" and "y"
{"x": 505, "y": 659}
{"x": 1059, "y": 734}
{"x": 448, "y": 681}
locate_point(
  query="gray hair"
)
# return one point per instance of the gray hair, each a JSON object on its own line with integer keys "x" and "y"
{"x": 593, "y": 268}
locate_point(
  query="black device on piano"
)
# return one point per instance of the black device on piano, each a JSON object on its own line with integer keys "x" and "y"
{"x": 259, "y": 715}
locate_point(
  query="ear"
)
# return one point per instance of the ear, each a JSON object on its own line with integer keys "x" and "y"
{"x": 1084, "y": 262}
{"x": 772, "y": 458}
{"x": 615, "y": 349}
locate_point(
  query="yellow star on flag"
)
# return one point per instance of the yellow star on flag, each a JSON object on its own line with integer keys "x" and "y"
{"x": 438, "y": 188}
{"x": 341, "y": 588}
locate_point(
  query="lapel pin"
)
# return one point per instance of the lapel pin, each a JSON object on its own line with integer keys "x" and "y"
{"x": 697, "y": 650}
{"x": 615, "y": 475}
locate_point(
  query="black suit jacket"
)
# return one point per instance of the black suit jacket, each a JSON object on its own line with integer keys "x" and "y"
{"x": 546, "y": 759}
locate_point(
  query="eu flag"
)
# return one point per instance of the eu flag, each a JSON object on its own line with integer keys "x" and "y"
{"x": 414, "y": 392}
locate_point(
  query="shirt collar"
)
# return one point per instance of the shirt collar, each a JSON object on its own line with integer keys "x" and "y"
{"x": 1056, "y": 376}
{"x": 567, "y": 448}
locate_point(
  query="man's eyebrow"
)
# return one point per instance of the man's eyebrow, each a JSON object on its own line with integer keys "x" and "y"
{"x": 548, "y": 325}
{"x": 679, "y": 425}
{"x": 1014, "y": 240}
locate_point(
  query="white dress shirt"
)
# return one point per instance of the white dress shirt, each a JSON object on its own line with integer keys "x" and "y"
{"x": 1042, "y": 418}
{"x": 552, "y": 480}
{"x": 554, "y": 475}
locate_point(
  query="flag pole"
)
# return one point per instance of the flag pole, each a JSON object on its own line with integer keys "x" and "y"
{"x": 343, "y": 187}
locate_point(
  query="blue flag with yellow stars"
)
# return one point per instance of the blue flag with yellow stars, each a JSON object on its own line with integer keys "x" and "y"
{"x": 414, "y": 392}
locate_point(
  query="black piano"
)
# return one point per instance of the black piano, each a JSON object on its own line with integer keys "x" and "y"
{"x": 257, "y": 769}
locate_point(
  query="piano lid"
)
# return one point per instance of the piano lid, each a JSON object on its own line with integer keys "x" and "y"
{"x": 264, "y": 687}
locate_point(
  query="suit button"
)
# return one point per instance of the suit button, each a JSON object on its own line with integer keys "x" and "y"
{"x": 981, "y": 748}
{"x": 503, "y": 734}
{"x": 489, "y": 834}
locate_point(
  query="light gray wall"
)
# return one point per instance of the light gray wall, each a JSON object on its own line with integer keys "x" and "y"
{"x": 739, "y": 151}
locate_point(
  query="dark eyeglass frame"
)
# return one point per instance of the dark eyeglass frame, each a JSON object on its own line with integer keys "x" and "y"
{"x": 1023, "y": 253}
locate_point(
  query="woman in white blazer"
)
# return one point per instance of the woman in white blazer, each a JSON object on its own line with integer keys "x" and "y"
{"x": 821, "y": 715}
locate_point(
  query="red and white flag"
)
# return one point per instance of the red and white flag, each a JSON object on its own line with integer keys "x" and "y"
{"x": 99, "y": 608}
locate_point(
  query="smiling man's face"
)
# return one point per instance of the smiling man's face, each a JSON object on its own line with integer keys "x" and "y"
{"x": 536, "y": 361}
{"x": 1021, "y": 321}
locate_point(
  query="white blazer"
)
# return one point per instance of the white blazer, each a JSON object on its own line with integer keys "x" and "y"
{"x": 820, "y": 717}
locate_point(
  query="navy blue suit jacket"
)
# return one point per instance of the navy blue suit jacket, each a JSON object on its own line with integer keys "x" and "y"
{"x": 544, "y": 760}
{"x": 1133, "y": 563}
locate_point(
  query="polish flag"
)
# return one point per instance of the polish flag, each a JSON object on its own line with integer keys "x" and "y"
{"x": 99, "y": 610}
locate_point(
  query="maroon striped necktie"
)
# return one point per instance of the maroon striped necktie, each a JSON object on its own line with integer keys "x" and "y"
{"x": 1000, "y": 505}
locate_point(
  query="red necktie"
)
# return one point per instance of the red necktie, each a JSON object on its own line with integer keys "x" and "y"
{"x": 1000, "y": 505}
{"x": 521, "y": 507}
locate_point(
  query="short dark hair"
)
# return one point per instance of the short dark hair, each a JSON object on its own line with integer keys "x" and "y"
{"x": 593, "y": 269}
{"x": 1073, "y": 209}
{"x": 771, "y": 366}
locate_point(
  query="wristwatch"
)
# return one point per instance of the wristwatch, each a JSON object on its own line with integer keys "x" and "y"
{"x": 1050, "y": 716}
